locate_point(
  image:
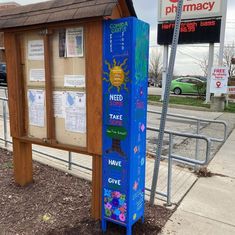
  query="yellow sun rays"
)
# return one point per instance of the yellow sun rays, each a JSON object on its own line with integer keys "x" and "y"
{"x": 117, "y": 75}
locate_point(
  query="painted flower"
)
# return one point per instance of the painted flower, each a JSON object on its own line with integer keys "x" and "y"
{"x": 122, "y": 217}
{"x": 122, "y": 209}
{"x": 117, "y": 212}
{"x": 115, "y": 202}
{"x": 117, "y": 194}
{"x": 123, "y": 197}
{"x": 107, "y": 192}
{"x": 108, "y": 213}
{"x": 121, "y": 202}
{"x": 108, "y": 206}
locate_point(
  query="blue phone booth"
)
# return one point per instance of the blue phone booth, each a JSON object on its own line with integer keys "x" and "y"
{"x": 125, "y": 82}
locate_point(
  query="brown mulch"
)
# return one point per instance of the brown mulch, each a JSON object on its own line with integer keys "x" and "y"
{"x": 57, "y": 204}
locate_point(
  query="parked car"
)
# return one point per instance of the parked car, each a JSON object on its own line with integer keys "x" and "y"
{"x": 188, "y": 85}
{"x": 2, "y": 67}
{"x": 3, "y": 79}
{"x": 3, "y": 75}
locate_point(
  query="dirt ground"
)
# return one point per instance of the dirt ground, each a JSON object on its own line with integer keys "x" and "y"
{"x": 57, "y": 204}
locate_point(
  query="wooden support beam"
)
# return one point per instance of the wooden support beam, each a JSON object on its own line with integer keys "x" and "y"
{"x": 96, "y": 187}
{"x": 22, "y": 160}
{"x": 49, "y": 89}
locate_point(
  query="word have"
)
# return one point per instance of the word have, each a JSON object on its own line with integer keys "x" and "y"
{"x": 206, "y": 6}
{"x": 115, "y": 163}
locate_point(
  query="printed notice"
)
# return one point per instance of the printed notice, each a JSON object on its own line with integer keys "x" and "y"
{"x": 75, "y": 112}
{"x": 74, "y": 42}
{"x": 36, "y": 103}
{"x": 36, "y": 50}
{"x": 37, "y": 75}
{"x": 74, "y": 80}
{"x": 59, "y": 104}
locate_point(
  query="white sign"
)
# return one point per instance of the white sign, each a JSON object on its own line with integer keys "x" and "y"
{"x": 37, "y": 75}
{"x": 36, "y": 103}
{"x": 75, "y": 112}
{"x": 74, "y": 42}
{"x": 219, "y": 80}
{"x": 59, "y": 104}
{"x": 192, "y": 9}
{"x": 231, "y": 90}
{"x": 36, "y": 50}
{"x": 74, "y": 80}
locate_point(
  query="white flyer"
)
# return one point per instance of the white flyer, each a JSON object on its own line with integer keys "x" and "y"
{"x": 219, "y": 80}
{"x": 74, "y": 42}
{"x": 75, "y": 112}
{"x": 37, "y": 75}
{"x": 36, "y": 50}
{"x": 36, "y": 104}
{"x": 74, "y": 80}
{"x": 59, "y": 104}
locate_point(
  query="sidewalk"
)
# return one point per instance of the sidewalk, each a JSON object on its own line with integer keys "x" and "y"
{"x": 209, "y": 207}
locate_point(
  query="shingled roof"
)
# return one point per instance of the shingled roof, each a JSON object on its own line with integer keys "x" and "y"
{"x": 58, "y": 10}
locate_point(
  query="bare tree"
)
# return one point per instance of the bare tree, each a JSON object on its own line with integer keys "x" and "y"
{"x": 155, "y": 66}
{"x": 204, "y": 65}
{"x": 229, "y": 53}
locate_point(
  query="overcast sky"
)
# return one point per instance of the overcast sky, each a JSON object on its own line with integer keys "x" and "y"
{"x": 187, "y": 56}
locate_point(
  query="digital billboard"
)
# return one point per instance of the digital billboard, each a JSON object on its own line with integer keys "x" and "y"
{"x": 197, "y": 31}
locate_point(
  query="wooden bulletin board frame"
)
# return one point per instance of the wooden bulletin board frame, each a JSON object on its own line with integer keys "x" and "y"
{"x": 93, "y": 73}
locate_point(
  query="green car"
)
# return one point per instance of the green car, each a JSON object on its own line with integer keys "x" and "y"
{"x": 188, "y": 85}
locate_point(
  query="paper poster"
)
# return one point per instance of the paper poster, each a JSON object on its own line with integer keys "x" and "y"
{"x": 74, "y": 42}
{"x": 36, "y": 50}
{"x": 75, "y": 112}
{"x": 219, "y": 80}
{"x": 37, "y": 75}
{"x": 74, "y": 80}
{"x": 59, "y": 104}
{"x": 36, "y": 104}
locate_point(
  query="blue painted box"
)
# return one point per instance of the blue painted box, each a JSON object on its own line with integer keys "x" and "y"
{"x": 125, "y": 81}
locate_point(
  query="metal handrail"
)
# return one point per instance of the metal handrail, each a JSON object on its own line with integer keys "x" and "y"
{"x": 199, "y": 121}
{"x": 188, "y": 135}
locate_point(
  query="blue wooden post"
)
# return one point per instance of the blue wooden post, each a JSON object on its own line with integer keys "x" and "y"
{"x": 125, "y": 81}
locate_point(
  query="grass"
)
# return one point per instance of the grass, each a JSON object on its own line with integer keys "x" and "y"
{"x": 230, "y": 108}
{"x": 190, "y": 101}
{"x": 182, "y": 101}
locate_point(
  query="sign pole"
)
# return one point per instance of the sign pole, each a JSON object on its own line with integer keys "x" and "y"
{"x": 210, "y": 65}
{"x": 222, "y": 33}
{"x": 164, "y": 71}
{"x": 166, "y": 99}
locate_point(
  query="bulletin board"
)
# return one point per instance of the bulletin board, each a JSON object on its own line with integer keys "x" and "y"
{"x": 34, "y": 74}
{"x": 67, "y": 61}
{"x": 69, "y": 86}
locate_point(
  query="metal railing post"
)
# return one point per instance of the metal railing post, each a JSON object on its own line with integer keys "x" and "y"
{"x": 169, "y": 178}
{"x": 197, "y": 142}
{"x": 70, "y": 161}
{"x": 4, "y": 122}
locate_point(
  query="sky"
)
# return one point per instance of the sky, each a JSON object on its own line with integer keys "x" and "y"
{"x": 188, "y": 56}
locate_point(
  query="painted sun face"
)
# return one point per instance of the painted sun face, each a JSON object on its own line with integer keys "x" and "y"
{"x": 117, "y": 76}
